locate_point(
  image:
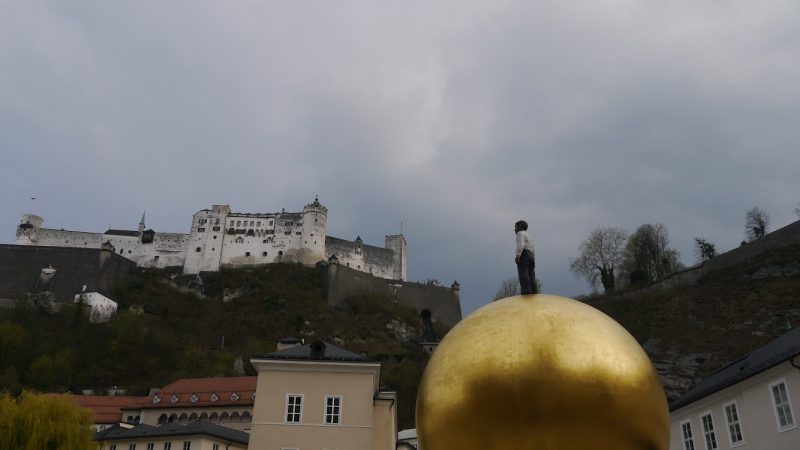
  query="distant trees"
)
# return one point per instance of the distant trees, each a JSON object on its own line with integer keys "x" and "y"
{"x": 756, "y": 223}
{"x": 797, "y": 210}
{"x": 648, "y": 256}
{"x": 510, "y": 287}
{"x": 38, "y": 421}
{"x": 704, "y": 249}
{"x": 600, "y": 256}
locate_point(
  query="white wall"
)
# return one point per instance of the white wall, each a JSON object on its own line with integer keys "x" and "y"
{"x": 102, "y": 307}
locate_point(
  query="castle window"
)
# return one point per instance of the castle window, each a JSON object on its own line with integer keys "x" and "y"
{"x": 288, "y": 223}
{"x": 264, "y": 254}
{"x": 215, "y": 236}
{"x": 129, "y": 252}
{"x": 212, "y": 249}
{"x": 246, "y": 253}
{"x": 197, "y": 250}
{"x": 287, "y": 232}
{"x": 258, "y": 224}
{"x": 238, "y": 223}
{"x": 270, "y": 223}
{"x": 216, "y": 222}
{"x": 298, "y": 233}
{"x": 299, "y": 224}
{"x": 156, "y": 258}
{"x": 215, "y": 228}
{"x": 231, "y": 222}
{"x": 264, "y": 242}
{"x": 251, "y": 223}
{"x": 201, "y": 230}
{"x": 270, "y": 231}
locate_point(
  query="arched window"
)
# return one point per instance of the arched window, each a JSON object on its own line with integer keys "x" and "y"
{"x": 130, "y": 419}
{"x": 240, "y": 240}
{"x": 204, "y": 417}
{"x": 183, "y": 419}
{"x": 136, "y": 420}
{"x": 246, "y": 416}
{"x": 214, "y": 417}
{"x": 173, "y": 418}
{"x": 224, "y": 418}
{"x": 193, "y": 417}
{"x": 162, "y": 419}
{"x": 235, "y": 417}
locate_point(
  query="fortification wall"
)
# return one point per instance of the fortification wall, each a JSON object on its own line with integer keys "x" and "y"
{"x": 21, "y": 271}
{"x": 369, "y": 259}
{"x": 442, "y": 302}
{"x": 65, "y": 238}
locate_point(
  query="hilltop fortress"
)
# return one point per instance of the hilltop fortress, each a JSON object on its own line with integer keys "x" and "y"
{"x": 220, "y": 238}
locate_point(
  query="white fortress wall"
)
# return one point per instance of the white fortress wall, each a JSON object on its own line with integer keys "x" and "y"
{"x": 370, "y": 259}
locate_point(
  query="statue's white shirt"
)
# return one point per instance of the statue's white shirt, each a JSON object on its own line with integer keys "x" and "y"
{"x": 524, "y": 242}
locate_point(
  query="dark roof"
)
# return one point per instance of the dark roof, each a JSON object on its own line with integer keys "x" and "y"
{"x": 316, "y": 351}
{"x": 122, "y": 232}
{"x": 173, "y": 429}
{"x": 289, "y": 340}
{"x": 775, "y": 352}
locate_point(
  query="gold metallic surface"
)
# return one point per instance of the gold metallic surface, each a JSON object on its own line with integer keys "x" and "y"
{"x": 540, "y": 372}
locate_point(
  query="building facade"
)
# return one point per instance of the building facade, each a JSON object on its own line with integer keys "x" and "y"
{"x": 319, "y": 396}
{"x": 750, "y": 404}
{"x": 220, "y": 238}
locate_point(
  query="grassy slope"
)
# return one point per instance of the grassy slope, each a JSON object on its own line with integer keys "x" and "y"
{"x": 691, "y": 331}
{"x": 179, "y": 335}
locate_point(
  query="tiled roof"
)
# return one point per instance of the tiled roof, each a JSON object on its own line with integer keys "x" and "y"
{"x": 173, "y": 429}
{"x": 316, "y": 351}
{"x": 106, "y": 409}
{"x": 775, "y": 352}
{"x": 205, "y": 390}
{"x": 122, "y": 232}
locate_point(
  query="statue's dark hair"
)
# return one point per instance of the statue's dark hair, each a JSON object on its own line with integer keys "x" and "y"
{"x": 522, "y": 225}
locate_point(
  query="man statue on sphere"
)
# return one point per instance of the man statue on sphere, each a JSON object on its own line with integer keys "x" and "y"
{"x": 525, "y": 259}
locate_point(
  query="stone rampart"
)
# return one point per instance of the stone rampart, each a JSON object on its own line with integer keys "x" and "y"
{"x": 442, "y": 302}
{"x": 63, "y": 271}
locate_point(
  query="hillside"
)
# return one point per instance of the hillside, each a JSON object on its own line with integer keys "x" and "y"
{"x": 691, "y": 331}
{"x": 180, "y": 335}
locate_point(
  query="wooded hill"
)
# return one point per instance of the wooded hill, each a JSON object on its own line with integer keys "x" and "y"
{"x": 181, "y": 335}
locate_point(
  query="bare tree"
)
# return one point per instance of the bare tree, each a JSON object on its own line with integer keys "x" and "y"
{"x": 705, "y": 250}
{"x": 756, "y": 223}
{"x": 599, "y": 257}
{"x": 797, "y": 210}
{"x": 508, "y": 288}
{"x": 648, "y": 256}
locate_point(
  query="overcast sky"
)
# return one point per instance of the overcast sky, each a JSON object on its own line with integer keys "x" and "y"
{"x": 455, "y": 117}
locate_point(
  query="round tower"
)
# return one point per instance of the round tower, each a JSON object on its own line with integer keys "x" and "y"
{"x": 315, "y": 219}
{"x": 28, "y": 228}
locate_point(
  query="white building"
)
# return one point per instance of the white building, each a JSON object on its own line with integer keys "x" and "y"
{"x": 220, "y": 238}
{"x": 102, "y": 308}
{"x": 749, "y": 404}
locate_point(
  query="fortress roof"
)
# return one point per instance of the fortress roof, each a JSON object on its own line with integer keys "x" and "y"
{"x": 121, "y": 232}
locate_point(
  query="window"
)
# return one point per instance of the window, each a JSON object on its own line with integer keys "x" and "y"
{"x": 270, "y": 223}
{"x": 173, "y": 399}
{"x": 270, "y": 231}
{"x": 258, "y": 224}
{"x": 194, "y": 398}
{"x": 131, "y": 446}
{"x": 231, "y": 223}
{"x": 263, "y": 253}
{"x": 287, "y": 232}
{"x": 215, "y": 447}
{"x": 298, "y": 233}
{"x": 688, "y": 443}
{"x": 246, "y": 253}
{"x": 187, "y": 445}
{"x": 151, "y": 446}
{"x": 294, "y": 408}
{"x": 113, "y": 447}
{"x": 708, "y": 431}
{"x": 201, "y": 230}
{"x": 734, "y": 427}
{"x": 214, "y": 397}
{"x": 288, "y": 223}
{"x": 197, "y": 250}
{"x": 167, "y": 445}
{"x": 156, "y": 258}
{"x": 333, "y": 409}
{"x": 215, "y": 229}
{"x": 783, "y": 408}
{"x": 238, "y": 223}
{"x": 252, "y": 223}
{"x": 156, "y": 399}
{"x": 234, "y": 396}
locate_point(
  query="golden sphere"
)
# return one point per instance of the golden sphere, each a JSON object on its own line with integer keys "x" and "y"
{"x": 540, "y": 372}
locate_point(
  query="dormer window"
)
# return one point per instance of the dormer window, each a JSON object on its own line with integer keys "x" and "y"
{"x": 173, "y": 399}
{"x": 194, "y": 398}
{"x": 253, "y": 397}
{"x": 214, "y": 397}
{"x": 234, "y": 397}
{"x": 156, "y": 399}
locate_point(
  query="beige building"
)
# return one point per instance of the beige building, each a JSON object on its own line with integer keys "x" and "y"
{"x": 173, "y": 436}
{"x": 321, "y": 397}
{"x": 749, "y": 404}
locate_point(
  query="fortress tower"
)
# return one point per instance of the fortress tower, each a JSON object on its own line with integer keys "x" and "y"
{"x": 397, "y": 243}
{"x": 204, "y": 247}
{"x": 28, "y": 228}
{"x": 315, "y": 219}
